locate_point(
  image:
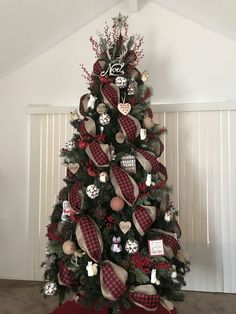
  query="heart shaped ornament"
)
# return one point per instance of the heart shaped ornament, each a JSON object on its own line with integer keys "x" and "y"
{"x": 74, "y": 167}
{"x": 124, "y": 108}
{"x": 125, "y": 226}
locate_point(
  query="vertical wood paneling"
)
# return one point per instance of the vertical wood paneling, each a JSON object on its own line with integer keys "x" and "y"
{"x": 200, "y": 151}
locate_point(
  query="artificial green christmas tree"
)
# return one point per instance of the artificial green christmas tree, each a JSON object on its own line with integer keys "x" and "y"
{"x": 114, "y": 236}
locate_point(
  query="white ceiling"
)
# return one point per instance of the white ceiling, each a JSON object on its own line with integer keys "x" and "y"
{"x": 218, "y": 15}
{"x": 30, "y": 27}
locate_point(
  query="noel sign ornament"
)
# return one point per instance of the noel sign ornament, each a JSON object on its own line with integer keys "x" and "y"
{"x": 115, "y": 68}
{"x": 124, "y": 108}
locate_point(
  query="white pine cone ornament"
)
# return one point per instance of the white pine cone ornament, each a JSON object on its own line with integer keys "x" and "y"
{"x": 131, "y": 246}
{"x": 121, "y": 81}
{"x": 92, "y": 191}
{"x": 50, "y": 288}
{"x": 104, "y": 119}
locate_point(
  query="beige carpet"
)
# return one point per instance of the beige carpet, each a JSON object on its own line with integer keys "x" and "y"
{"x": 23, "y": 297}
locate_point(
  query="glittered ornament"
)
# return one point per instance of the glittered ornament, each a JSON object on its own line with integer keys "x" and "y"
{"x": 101, "y": 108}
{"x": 131, "y": 246}
{"x": 145, "y": 76}
{"x": 148, "y": 122}
{"x": 104, "y": 119}
{"x": 121, "y": 81}
{"x": 69, "y": 247}
{"x": 92, "y": 191}
{"x": 103, "y": 177}
{"x": 50, "y": 288}
{"x": 117, "y": 203}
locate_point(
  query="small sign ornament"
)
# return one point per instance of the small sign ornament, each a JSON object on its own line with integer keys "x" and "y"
{"x": 156, "y": 247}
{"x": 128, "y": 163}
{"x": 115, "y": 68}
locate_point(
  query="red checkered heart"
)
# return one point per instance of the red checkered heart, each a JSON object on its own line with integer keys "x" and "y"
{"x": 124, "y": 108}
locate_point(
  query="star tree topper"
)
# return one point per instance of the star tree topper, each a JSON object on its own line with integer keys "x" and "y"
{"x": 120, "y": 21}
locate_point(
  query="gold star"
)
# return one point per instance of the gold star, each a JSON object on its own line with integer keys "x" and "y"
{"x": 120, "y": 21}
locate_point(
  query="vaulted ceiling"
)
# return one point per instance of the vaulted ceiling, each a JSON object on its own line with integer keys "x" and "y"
{"x": 30, "y": 27}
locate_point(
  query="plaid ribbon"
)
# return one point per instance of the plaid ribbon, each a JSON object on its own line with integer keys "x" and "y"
{"x": 99, "y": 153}
{"x": 83, "y": 104}
{"x": 52, "y": 235}
{"x": 143, "y": 218}
{"x": 162, "y": 172}
{"x": 111, "y": 283}
{"x": 147, "y": 159}
{"x": 74, "y": 197}
{"x": 111, "y": 94}
{"x": 66, "y": 276}
{"x": 98, "y": 67}
{"x": 87, "y": 128}
{"x": 124, "y": 185}
{"x": 149, "y": 112}
{"x": 70, "y": 176}
{"x": 130, "y": 126}
{"x": 145, "y": 296}
{"x": 170, "y": 241}
{"x": 89, "y": 238}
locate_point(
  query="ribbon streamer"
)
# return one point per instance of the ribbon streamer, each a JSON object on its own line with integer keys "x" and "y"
{"x": 147, "y": 160}
{"x": 75, "y": 197}
{"x": 124, "y": 185}
{"x": 89, "y": 238}
{"x": 87, "y": 128}
{"x": 83, "y": 105}
{"x": 143, "y": 218}
{"x": 99, "y": 154}
{"x": 145, "y": 296}
{"x": 65, "y": 276}
{"x": 130, "y": 126}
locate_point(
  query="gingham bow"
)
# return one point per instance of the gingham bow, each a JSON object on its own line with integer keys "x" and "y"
{"x": 89, "y": 238}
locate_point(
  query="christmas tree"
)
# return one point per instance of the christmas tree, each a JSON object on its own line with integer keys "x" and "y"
{"x": 114, "y": 235}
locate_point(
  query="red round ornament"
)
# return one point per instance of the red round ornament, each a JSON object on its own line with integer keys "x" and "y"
{"x": 82, "y": 144}
{"x": 117, "y": 203}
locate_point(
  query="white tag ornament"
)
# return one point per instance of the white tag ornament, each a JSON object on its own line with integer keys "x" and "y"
{"x": 156, "y": 247}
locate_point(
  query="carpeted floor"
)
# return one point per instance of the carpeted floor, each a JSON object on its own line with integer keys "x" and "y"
{"x": 23, "y": 297}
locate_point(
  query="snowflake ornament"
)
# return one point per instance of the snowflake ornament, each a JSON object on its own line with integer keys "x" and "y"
{"x": 131, "y": 246}
{"x": 92, "y": 191}
{"x": 50, "y": 288}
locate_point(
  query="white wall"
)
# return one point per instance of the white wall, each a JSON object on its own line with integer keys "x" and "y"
{"x": 187, "y": 63}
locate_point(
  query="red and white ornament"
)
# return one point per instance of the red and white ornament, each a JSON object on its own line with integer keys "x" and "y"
{"x": 117, "y": 203}
{"x": 124, "y": 108}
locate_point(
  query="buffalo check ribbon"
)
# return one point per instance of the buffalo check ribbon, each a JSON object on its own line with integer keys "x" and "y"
{"x": 87, "y": 128}
{"x": 65, "y": 276}
{"x": 89, "y": 238}
{"x": 130, "y": 126}
{"x": 124, "y": 185}
{"x": 98, "y": 67}
{"x": 83, "y": 105}
{"x": 149, "y": 113}
{"x": 75, "y": 196}
{"x": 143, "y": 218}
{"x": 171, "y": 245}
{"x": 113, "y": 280}
{"x": 145, "y": 296}
{"x": 111, "y": 94}
{"x": 147, "y": 160}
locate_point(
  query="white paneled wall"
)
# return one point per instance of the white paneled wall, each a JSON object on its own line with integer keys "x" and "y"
{"x": 200, "y": 154}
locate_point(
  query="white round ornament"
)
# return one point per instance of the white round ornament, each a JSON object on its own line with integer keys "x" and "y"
{"x": 50, "y": 288}
{"x": 104, "y": 119}
{"x": 121, "y": 81}
{"x": 92, "y": 191}
{"x": 131, "y": 246}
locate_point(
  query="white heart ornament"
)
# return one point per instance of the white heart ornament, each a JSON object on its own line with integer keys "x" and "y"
{"x": 124, "y": 108}
{"x": 74, "y": 167}
{"x": 125, "y": 226}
